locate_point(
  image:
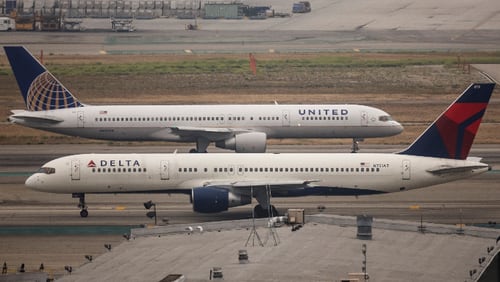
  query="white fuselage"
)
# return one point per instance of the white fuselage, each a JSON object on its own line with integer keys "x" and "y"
{"x": 186, "y": 123}
{"x": 336, "y": 173}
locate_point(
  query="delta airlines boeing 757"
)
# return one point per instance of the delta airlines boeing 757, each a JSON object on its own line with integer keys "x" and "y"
{"x": 217, "y": 181}
{"x": 243, "y": 128}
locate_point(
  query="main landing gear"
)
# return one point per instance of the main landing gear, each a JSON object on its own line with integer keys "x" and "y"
{"x": 81, "y": 204}
{"x": 260, "y": 212}
{"x": 201, "y": 145}
{"x": 264, "y": 208}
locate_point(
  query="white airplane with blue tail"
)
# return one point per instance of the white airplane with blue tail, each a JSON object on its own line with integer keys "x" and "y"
{"x": 243, "y": 128}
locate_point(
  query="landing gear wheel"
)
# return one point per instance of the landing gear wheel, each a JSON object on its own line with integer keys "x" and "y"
{"x": 259, "y": 212}
{"x": 274, "y": 210}
{"x": 196, "y": 151}
{"x": 355, "y": 145}
{"x": 84, "y": 213}
{"x": 81, "y": 204}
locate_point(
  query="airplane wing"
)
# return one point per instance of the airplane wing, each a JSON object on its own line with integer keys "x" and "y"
{"x": 446, "y": 170}
{"x": 211, "y": 133}
{"x": 276, "y": 185}
{"x": 273, "y": 183}
{"x": 33, "y": 117}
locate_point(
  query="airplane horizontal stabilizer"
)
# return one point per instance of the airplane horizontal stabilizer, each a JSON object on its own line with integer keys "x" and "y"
{"x": 448, "y": 170}
{"x": 36, "y": 119}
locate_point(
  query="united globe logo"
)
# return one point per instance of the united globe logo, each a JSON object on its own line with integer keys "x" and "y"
{"x": 46, "y": 93}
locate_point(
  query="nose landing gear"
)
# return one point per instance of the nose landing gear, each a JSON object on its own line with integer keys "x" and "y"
{"x": 355, "y": 144}
{"x": 81, "y": 204}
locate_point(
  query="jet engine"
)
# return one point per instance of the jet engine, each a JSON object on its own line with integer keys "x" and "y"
{"x": 250, "y": 142}
{"x": 216, "y": 199}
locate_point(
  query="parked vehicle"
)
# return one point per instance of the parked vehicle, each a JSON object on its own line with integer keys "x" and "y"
{"x": 7, "y": 24}
{"x": 301, "y": 7}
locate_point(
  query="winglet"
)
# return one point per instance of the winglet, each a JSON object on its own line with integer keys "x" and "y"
{"x": 40, "y": 89}
{"x": 452, "y": 133}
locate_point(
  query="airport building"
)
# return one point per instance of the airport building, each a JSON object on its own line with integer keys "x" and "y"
{"x": 320, "y": 248}
{"x": 130, "y": 9}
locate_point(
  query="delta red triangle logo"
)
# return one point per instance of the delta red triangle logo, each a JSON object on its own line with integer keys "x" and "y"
{"x": 91, "y": 164}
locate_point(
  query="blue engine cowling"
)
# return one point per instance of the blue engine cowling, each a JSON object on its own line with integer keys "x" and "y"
{"x": 216, "y": 199}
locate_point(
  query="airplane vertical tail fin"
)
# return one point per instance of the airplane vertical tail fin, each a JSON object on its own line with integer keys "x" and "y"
{"x": 40, "y": 89}
{"x": 452, "y": 133}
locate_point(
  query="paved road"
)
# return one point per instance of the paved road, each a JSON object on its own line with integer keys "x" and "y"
{"x": 387, "y": 25}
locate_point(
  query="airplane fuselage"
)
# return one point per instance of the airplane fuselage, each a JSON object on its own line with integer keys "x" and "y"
{"x": 297, "y": 174}
{"x": 215, "y": 122}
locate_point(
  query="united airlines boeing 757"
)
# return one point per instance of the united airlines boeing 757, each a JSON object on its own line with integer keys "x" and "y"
{"x": 243, "y": 128}
{"x": 218, "y": 181}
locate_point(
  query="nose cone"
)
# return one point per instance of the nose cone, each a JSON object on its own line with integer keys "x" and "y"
{"x": 33, "y": 182}
{"x": 397, "y": 128}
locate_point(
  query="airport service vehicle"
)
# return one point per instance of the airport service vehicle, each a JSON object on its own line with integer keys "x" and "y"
{"x": 219, "y": 181}
{"x": 242, "y": 128}
{"x": 7, "y": 24}
{"x": 301, "y": 7}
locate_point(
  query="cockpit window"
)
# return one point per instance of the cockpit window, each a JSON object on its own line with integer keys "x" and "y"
{"x": 46, "y": 170}
{"x": 384, "y": 118}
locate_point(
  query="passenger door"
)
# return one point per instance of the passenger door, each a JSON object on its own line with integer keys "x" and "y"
{"x": 285, "y": 118}
{"x": 364, "y": 118}
{"x": 406, "y": 170}
{"x": 75, "y": 170}
{"x": 80, "y": 119}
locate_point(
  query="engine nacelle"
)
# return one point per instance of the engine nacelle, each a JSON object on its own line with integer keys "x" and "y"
{"x": 215, "y": 199}
{"x": 250, "y": 142}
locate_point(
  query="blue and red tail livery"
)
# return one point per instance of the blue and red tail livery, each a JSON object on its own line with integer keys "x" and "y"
{"x": 452, "y": 134}
{"x": 40, "y": 89}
